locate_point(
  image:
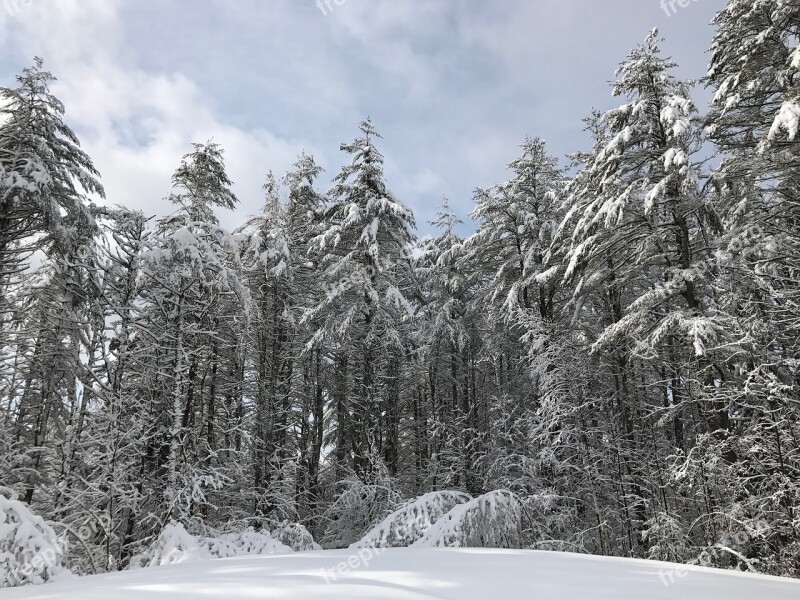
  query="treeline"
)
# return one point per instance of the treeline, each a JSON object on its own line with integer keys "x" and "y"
{"x": 617, "y": 343}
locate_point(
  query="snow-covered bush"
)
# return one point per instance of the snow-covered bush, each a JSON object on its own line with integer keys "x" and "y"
{"x": 173, "y": 545}
{"x": 297, "y": 537}
{"x": 493, "y": 520}
{"x": 29, "y": 549}
{"x": 666, "y": 538}
{"x": 176, "y": 545}
{"x": 246, "y": 543}
{"x": 410, "y": 522}
{"x": 359, "y": 507}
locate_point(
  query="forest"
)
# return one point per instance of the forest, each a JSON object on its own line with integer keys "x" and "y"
{"x": 613, "y": 352}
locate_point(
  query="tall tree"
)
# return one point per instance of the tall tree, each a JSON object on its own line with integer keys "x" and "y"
{"x": 754, "y": 122}
{"x": 366, "y": 240}
{"x": 45, "y": 179}
{"x": 196, "y": 302}
{"x": 637, "y": 233}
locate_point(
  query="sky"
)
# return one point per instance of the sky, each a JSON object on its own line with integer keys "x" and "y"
{"x": 453, "y": 86}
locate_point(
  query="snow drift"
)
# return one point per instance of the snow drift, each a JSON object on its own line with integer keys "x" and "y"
{"x": 416, "y": 574}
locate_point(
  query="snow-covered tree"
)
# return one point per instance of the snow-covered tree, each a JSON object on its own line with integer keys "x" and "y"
{"x": 295, "y": 536}
{"x": 412, "y": 520}
{"x": 243, "y": 543}
{"x": 196, "y": 304}
{"x": 635, "y": 247}
{"x": 44, "y": 175}
{"x": 45, "y": 180}
{"x": 175, "y": 545}
{"x": 516, "y": 223}
{"x": 365, "y": 264}
{"x": 448, "y": 338}
{"x": 754, "y": 122}
{"x": 493, "y": 520}
{"x": 638, "y": 218}
{"x": 358, "y": 507}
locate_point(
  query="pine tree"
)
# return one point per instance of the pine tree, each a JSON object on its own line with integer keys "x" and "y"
{"x": 365, "y": 262}
{"x": 44, "y": 176}
{"x": 637, "y": 234}
{"x": 44, "y": 181}
{"x": 754, "y": 122}
{"x": 448, "y": 334}
{"x": 305, "y": 204}
{"x": 639, "y": 215}
{"x": 516, "y": 222}
{"x": 195, "y": 303}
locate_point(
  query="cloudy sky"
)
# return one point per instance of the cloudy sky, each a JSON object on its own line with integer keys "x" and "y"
{"x": 453, "y": 85}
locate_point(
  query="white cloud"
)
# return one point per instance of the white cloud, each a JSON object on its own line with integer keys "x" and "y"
{"x": 394, "y": 37}
{"x": 453, "y": 85}
{"x": 137, "y": 125}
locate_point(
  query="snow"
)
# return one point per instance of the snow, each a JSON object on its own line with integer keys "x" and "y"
{"x": 788, "y": 119}
{"x": 676, "y": 115}
{"x": 675, "y": 157}
{"x": 411, "y": 574}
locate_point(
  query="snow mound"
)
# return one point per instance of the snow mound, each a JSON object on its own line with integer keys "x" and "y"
{"x": 411, "y": 521}
{"x": 493, "y": 520}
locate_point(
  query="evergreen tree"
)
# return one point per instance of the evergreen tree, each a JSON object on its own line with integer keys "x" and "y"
{"x": 196, "y": 303}
{"x": 754, "y": 122}
{"x": 365, "y": 243}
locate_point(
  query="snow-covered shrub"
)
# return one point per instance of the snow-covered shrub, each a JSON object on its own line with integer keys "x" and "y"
{"x": 410, "y": 522}
{"x": 176, "y": 545}
{"x": 29, "y": 549}
{"x": 297, "y": 537}
{"x": 246, "y": 543}
{"x": 666, "y": 538}
{"x": 173, "y": 545}
{"x": 359, "y": 507}
{"x": 549, "y": 522}
{"x": 493, "y": 520}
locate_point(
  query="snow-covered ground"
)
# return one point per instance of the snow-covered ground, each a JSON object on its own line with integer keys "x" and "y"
{"x": 457, "y": 574}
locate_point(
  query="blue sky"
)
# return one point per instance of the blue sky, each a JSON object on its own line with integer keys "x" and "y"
{"x": 453, "y": 85}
